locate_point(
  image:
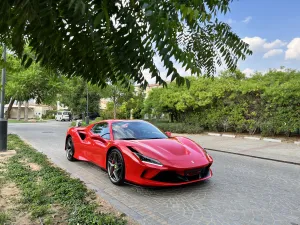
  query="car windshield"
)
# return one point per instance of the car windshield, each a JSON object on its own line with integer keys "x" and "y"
{"x": 136, "y": 130}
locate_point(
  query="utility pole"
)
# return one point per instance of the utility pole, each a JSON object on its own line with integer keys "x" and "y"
{"x": 3, "y": 121}
{"x": 87, "y": 119}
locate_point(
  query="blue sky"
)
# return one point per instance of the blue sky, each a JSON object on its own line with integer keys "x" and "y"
{"x": 271, "y": 27}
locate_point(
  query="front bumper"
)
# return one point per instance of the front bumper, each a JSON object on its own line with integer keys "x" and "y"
{"x": 151, "y": 175}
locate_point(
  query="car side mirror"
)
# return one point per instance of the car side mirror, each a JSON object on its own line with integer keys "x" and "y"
{"x": 168, "y": 133}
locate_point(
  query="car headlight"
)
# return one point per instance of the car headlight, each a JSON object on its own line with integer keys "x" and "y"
{"x": 147, "y": 159}
{"x": 207, "y": 155}
{"x": 144, "y": 158}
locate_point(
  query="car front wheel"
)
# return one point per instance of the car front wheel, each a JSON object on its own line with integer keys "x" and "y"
{"x": 116, "y": 167}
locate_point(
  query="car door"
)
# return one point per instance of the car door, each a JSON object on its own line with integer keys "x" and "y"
{"x": 98, "y": 148}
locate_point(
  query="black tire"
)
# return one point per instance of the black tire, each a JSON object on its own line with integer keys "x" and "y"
{"x": 116, "y": 167}
{"x": 70, "y": 150}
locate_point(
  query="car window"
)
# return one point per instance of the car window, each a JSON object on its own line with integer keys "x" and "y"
{"x": 66, "y": 113}
{"x": 102, "y": 129}
{"x": 136, "y": 130}
{"x": 59, "y": 113}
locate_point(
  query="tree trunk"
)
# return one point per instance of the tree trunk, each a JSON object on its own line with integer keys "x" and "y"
{"x": 26, "y": 111}
{"x": 115, "y": 101}
{"x": 11, "y": 103}
{"x": 115, "y": 110}
{"x": 19, "y": 110}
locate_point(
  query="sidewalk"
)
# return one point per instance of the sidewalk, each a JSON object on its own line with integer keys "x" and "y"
{"x": 286, "y": 152}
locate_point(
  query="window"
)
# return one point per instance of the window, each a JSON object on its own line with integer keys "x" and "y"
{"x": 102, "y": 129}
{"x": 59, "y": 113}
{"x": 136, "y": 130}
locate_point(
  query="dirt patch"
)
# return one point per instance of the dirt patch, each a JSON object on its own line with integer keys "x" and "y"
{"x": 59, "y": 215}
{"x": 9, "y": 203}
{"x": 10, "y": 196}
{"x": 24, "y": 219}
{"x": 4, "y": 156}
{"x": 34, "y": 166}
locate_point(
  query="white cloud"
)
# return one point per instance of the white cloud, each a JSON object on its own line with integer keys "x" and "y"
{"x": 293, "y": 49}
{"x": 275, "y": 44}
{"x": 258, "y": 44}
{"x": 247, "y": 19}
{"x": 248, "y": 72}
{"x": 272, "y": 52}
{"x": 230, "y": 21}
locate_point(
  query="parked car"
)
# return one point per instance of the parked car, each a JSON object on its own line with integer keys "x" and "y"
{"x": 63, "y": 116}
{"x": 138, "y": 152}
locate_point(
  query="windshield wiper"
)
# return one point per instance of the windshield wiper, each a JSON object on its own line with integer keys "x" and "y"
{"x": 156, "y": 138}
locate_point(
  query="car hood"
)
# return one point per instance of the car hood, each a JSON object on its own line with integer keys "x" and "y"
{"x": 170, "y": 151}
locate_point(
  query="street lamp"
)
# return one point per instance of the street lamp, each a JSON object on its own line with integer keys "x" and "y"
{"x": 3, "y": 121}
{"x": 87, "y": 119}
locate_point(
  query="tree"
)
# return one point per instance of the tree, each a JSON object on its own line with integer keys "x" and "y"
{"x": 119, "y": 95}
{"x": 24, "y": 84}
{"x": 111, "y": 40}
{"x": 74, "y": 94}
{"x": 132, "y": 108}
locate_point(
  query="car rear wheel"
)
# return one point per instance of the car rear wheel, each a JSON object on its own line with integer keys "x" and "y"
{"x": 70, "y": 149}
{"x": 116, "y": 167}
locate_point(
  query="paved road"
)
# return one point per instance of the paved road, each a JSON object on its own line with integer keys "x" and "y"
{"x": 242, "y": 191}
{"x": 288, "y": 152}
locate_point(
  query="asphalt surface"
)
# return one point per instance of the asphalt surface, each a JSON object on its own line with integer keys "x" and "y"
{"x": 243, "y": 190}
{"x": 286, "y": 152}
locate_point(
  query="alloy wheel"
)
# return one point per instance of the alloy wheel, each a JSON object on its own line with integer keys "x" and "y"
{"x": 115, "y": 167}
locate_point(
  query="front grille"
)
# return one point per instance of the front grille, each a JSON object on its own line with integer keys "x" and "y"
{"x": 190, "y": 175}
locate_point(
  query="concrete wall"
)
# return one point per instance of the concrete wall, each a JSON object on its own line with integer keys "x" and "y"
{"x": 14, "y": 113}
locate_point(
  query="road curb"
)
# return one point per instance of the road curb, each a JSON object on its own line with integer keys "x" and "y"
{"x": 252, "y": 156}
{"x": 271, "y": 140}
{"x": 251, "y": 138}
{"x": 228, "y": 135}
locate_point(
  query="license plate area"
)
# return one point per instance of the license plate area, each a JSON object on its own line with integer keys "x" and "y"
{"x": 193, "y": 172}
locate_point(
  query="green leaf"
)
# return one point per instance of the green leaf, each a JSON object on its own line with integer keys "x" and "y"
{"x": 98, "y": 19}
{"x": 28, "y": 63}
{"x": 24, "y": 59}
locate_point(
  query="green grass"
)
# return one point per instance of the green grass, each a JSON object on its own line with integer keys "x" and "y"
{"x": 49, "y": 186}
{"x": 4, "y": 218}
{"x": 22, "y": 121}
{"x": 16, "y": 121}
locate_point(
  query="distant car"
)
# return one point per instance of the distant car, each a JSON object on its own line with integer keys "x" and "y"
{"x": 137, "y": 152}
{"x": 63, "y": 116}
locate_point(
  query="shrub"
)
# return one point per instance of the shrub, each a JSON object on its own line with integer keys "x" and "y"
{"x": 180, "y": 127}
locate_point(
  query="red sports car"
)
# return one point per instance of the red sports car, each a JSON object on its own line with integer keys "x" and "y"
{"x": 137, "y": 152}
